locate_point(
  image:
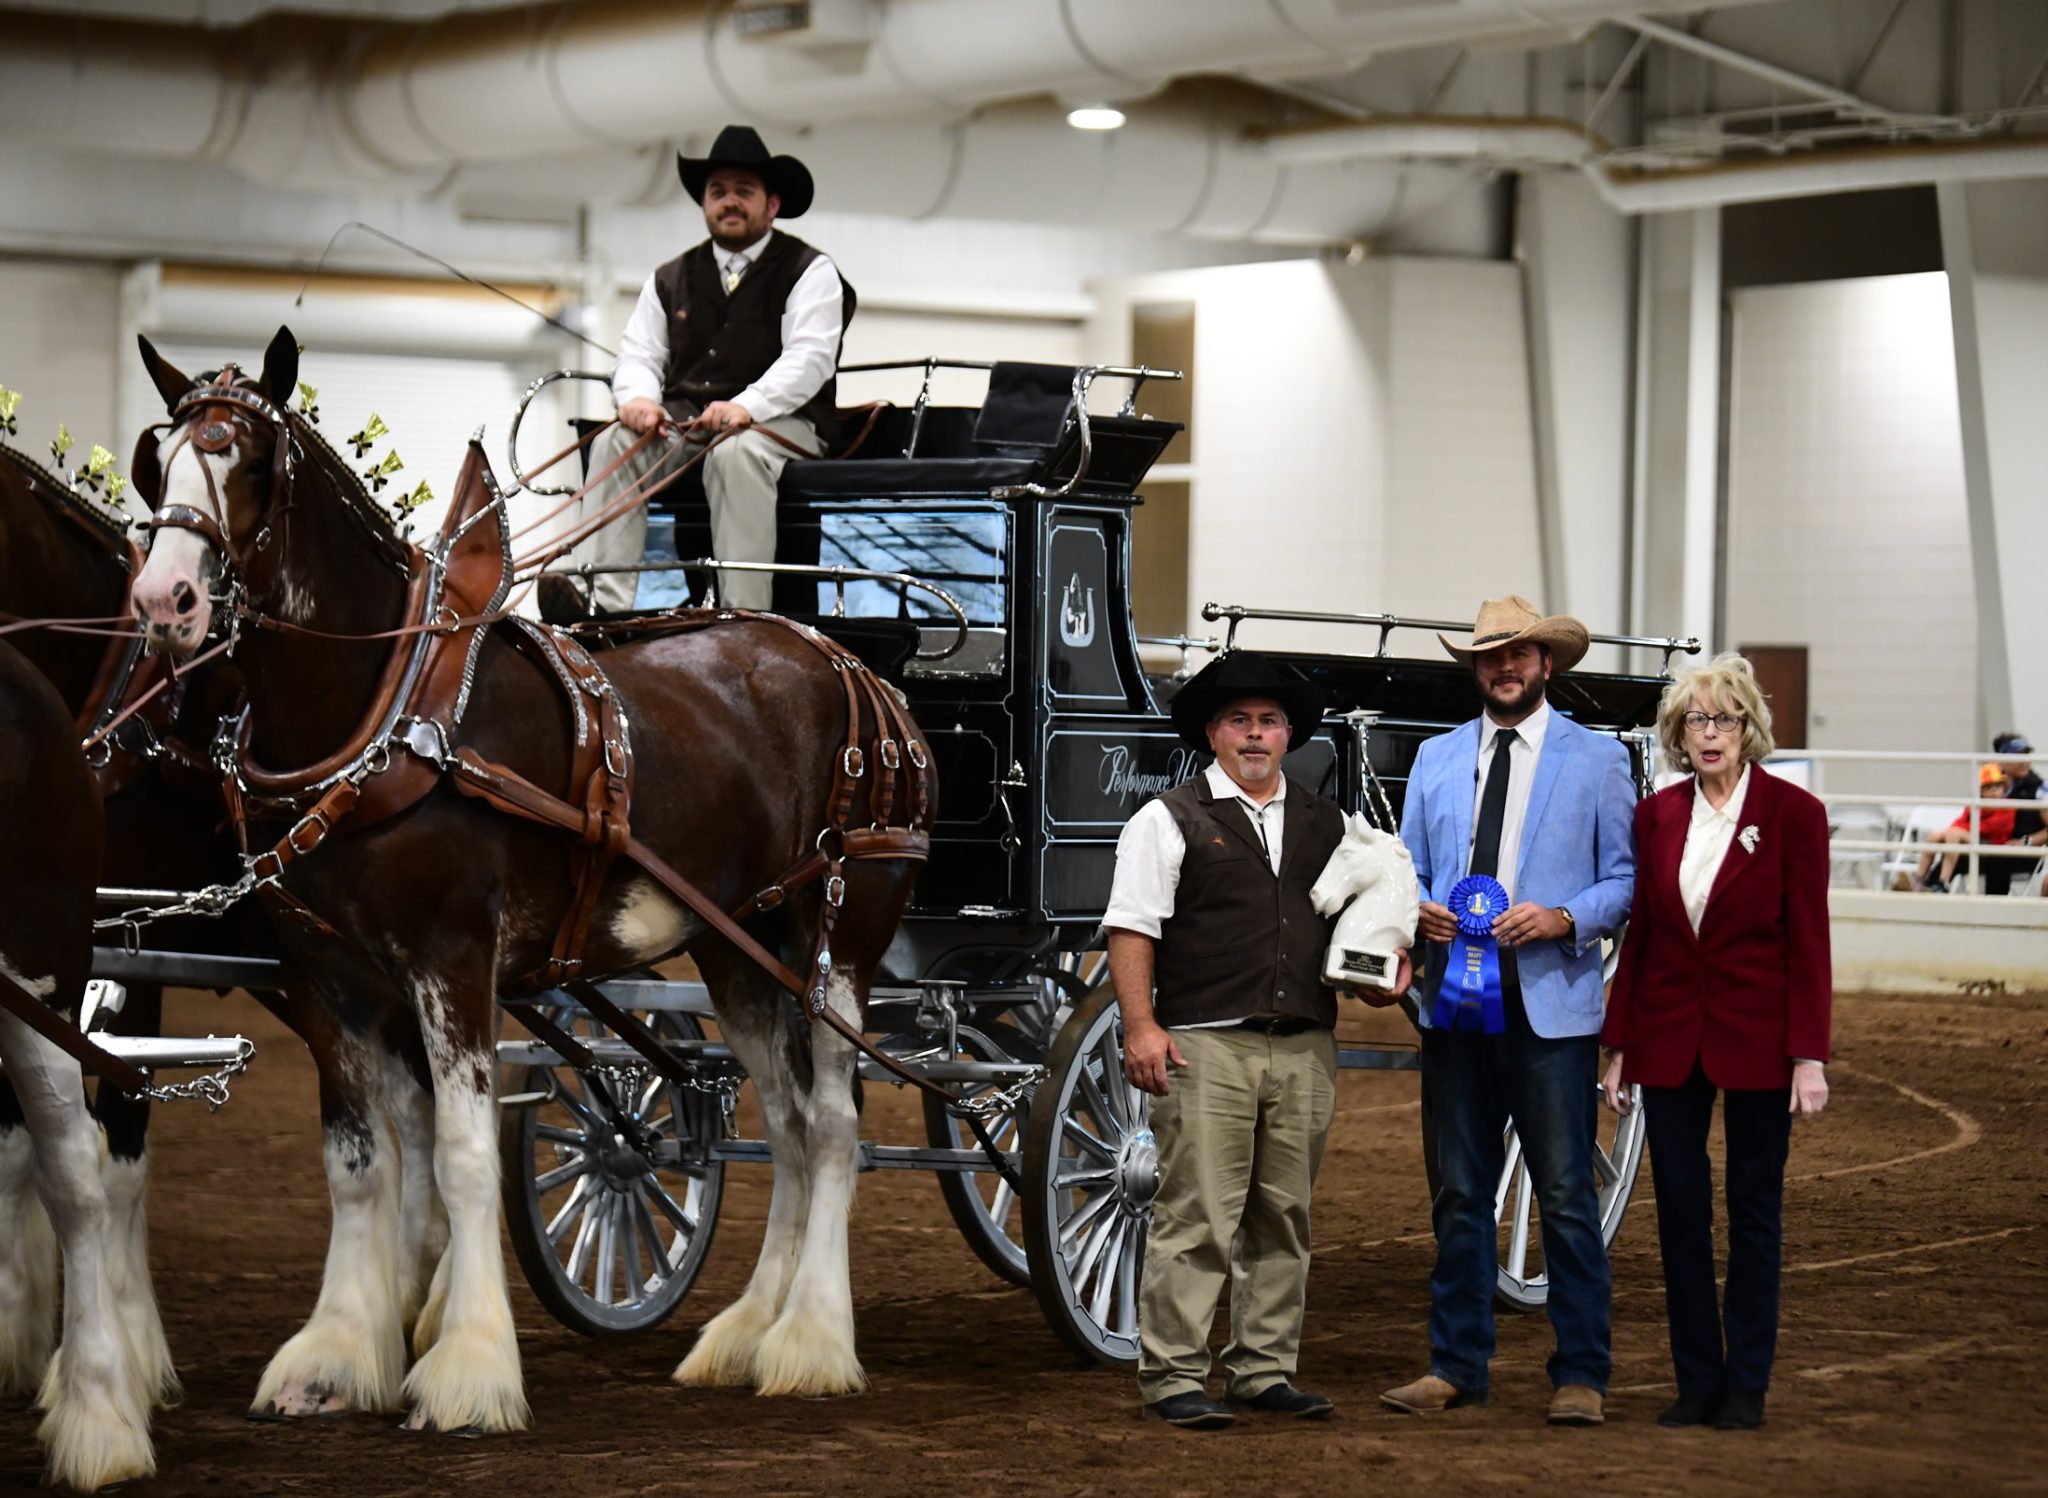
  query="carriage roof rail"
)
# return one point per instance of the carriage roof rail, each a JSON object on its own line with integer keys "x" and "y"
{"x": 1386, "y": 624}
{"x": 1085, "y": 375}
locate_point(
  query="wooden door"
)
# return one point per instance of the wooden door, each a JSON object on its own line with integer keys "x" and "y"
{"x": 1781, "y": 673}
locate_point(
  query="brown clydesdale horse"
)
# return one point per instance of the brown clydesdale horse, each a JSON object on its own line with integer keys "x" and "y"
{"x": 96, "y": 1429}
{"x": 165, "y": 829}
{"x": 736, "y": 733}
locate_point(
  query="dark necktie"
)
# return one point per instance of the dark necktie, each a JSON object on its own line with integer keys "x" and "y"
{"x": 1493, "y": 807}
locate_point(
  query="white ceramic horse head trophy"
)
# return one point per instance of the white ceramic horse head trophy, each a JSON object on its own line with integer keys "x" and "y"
{"x": 1371, "y": 879}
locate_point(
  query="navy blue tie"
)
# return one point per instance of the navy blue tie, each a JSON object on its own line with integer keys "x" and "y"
{"x": 1493, "y": 808}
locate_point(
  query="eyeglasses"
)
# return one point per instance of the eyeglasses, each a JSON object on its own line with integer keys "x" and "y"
{"x": 1726, "y": 722}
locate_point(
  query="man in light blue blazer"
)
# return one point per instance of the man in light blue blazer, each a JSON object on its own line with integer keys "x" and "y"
{"x": 1547, "y": 808}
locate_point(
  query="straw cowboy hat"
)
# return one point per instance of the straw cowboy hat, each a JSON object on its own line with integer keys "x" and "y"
{"x": 740, "y": 145}
{"x": 1513, "y": 619}
{"x": 1245, "y": 673}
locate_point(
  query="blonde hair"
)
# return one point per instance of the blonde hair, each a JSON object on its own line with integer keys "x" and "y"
{"x": 1728, "y": 681}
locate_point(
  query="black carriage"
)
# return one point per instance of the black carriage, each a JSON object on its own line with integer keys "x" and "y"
{"x": 1017, "y": 652}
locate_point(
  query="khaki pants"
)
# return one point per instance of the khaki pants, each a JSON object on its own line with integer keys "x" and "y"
{"x": 1240, "y": 1134}
{"x": 739, "y": 482}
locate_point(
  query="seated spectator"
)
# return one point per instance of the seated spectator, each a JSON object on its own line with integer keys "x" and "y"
{"x": 2028, "y": 826}
{"x": 1995, "y": 824}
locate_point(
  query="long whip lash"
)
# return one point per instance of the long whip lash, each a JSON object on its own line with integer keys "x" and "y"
{"x": 455, "y": 271}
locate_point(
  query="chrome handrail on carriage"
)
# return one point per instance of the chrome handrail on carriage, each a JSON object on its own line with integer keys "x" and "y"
{"x": 839, "y": 577}
{"x": 1386, "y": 624}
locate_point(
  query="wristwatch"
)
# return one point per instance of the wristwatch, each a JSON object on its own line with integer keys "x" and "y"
{"x": 1571, "y": 927}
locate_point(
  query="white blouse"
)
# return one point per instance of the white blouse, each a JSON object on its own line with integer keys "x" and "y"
{"x": 1706, "y": 844}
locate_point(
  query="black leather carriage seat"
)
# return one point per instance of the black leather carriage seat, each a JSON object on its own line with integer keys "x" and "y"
{"x": 1011, "y": 439}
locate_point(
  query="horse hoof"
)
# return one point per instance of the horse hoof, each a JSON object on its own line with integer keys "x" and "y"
{"x": 417, "y": 1424}
{"x": 805, "y": 1359}
{"x": 314, "y": 1402}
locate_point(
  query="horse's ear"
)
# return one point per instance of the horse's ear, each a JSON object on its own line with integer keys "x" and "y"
{"x": 281, "y": 367}
{"x": 170, "y": 384}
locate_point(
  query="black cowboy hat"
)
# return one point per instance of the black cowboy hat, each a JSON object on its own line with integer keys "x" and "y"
{"x": 740, "y": 145}
{"x": 1244, "y": 673}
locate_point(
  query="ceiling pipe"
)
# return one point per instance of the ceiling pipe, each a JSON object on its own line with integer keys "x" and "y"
{"x": 1907, "y": 165}
{"x": 412, "y": 101}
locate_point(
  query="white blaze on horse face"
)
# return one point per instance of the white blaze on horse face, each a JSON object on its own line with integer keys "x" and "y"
{"x": 170, "y": 594}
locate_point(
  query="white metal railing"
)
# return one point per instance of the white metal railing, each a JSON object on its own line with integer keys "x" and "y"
{"x": 1905, "y": 822}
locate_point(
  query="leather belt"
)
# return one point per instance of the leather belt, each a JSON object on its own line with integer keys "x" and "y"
{"x": 1290, "y": 1025}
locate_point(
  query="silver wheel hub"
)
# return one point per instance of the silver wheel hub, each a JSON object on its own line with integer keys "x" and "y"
{"x": 1137, "y": 1172}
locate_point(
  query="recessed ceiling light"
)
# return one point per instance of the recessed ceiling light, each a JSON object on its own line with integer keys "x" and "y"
{"x": 1096, "y": 117}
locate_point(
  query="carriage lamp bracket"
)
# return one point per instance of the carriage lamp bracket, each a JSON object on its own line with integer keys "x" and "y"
{"x": 1013, "y": 780}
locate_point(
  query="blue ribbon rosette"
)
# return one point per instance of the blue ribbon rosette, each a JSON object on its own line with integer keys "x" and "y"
{"x": 1470, "y": 998}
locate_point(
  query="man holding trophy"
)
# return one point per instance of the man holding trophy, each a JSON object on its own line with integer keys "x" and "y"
{"x": 1520, "y": 824}
{"x": 1214, "y": 902}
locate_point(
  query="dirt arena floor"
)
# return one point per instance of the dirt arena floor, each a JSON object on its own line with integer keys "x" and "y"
{"x": 1913, "y": 1355}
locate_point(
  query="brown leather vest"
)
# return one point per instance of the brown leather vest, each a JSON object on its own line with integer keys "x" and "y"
{"x": 719, "y": 344}
{"x": 1241, "y": 943}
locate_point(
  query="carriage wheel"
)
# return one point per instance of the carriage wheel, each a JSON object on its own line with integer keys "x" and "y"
{"x": 1523, "y": 1284}
{"x": 609, "y": 1242}
{"x": 1066, "y": 977}
{"x": 990, "y": 1215}
{"x": 1091, "y": 1170}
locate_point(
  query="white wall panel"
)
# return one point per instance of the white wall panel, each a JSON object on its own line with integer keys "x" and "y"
{"x": 1461, "y": 485}
{"x": 58, "y": 347}
{"x": 1847, "y": 530}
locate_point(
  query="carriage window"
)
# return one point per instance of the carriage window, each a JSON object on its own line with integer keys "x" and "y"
{"x": 966, "y": 553}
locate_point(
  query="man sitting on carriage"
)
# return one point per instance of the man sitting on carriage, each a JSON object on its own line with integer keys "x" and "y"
{"x": 735, "y": 342}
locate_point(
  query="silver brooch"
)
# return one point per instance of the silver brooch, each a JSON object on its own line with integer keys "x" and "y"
{"x": 1749, "y": 837}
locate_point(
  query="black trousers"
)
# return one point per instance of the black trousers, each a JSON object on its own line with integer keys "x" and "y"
{"x": 1759, "y": 1130}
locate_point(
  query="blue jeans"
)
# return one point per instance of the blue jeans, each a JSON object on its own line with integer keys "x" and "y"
{"x": 1476, "y": 1083}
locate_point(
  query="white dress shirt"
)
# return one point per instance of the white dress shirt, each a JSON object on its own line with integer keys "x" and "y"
{"x": 1706, "y": 844}
{"x": 1521, "y": 776}
{"x": 1148, "y": 858}
{"x": 812, "y": 325}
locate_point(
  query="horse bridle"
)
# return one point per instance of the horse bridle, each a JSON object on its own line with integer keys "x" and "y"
{"x": 218, "y": 436}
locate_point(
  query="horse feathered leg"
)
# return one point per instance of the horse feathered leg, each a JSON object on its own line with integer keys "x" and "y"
{"x": 753, "y": 1018}
{"x": 28, "y": 1260}
{"x": 470, "y": 1378}
{"x": 350, "y": 1354}
{"x": 422, "y": 1221}
{"x": 125, "y": 1171}
{"x": 810, "y": 1348}
{"x": 96, "y": 1427}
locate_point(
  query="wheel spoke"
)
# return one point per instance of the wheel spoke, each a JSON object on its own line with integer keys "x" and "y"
{"x": 1604, "y": 1167}
{"x": 561, "y": 1175}
{"x": 1518, "y": 1242}
{"x": 1090, "y": 1094}
{"x": 999, "y": 1210}
{"x": 1067, "y": 1180}
{"x": 579, "y": 1251}
{"x": 1106, "y": 1272}
{"x": 1076, "y": 1131}
{"x": 607, "y": 1250}
{"x": 1507, "y": 1175}
{"x": 578, "y": 1200}
{"x": 1127, "y": 1282}
{"x": 1083, "y": 1215}
{"x": 1082, "y": 1266}
{"x": 1112, "y": 1053}
{"x": 631, "y": 1281}
{"x": 659, "y": 1263}
{"x": 684, "y": 1222}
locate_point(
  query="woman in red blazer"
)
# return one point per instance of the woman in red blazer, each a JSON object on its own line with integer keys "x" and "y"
{"x": 1724, "y": 984}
